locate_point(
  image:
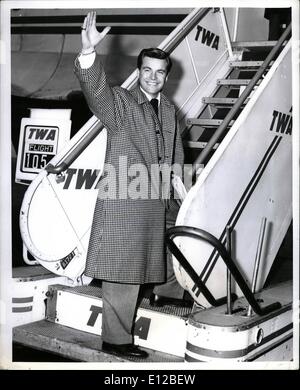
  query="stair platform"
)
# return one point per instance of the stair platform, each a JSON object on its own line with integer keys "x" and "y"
{"x": 161, "y": 329}
{"x": 75, "y": 344}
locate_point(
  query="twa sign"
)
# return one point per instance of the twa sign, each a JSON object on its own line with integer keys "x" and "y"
{"x": 40, "y": 140}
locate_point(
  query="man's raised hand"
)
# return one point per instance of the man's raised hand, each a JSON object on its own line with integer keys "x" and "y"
{"x": 90, "y": 36}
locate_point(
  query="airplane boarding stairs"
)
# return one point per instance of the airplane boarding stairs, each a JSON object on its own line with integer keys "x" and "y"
{"x": 239, "y": 124}
{"x": 250, "y": 120}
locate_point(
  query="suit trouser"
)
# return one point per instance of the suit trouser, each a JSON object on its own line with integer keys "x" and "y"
{"x": 119, "y": 305}
{"x": 171, "y": 288}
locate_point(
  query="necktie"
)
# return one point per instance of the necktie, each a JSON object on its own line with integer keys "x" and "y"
{"x": 154, "y": 104}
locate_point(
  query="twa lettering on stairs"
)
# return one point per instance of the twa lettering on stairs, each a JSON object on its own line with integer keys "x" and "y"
{"x": 80, "y": 308}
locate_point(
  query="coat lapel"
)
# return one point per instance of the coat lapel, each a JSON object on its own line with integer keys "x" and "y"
{"x": 138, "y": 95}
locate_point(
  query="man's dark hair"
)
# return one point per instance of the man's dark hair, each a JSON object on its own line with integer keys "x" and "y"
{"x": 154, "y": 53}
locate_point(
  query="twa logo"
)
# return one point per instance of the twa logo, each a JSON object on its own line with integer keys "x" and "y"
{"x": 207, "y": 37}
{"x": 281, "y": 123}
{"x": 81, "y": 178}
{"x": 135, "y": 181}
{"x": 42, "y": 133}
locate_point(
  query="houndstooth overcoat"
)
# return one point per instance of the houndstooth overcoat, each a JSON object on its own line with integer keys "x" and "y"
{"x": 127, "y": 236}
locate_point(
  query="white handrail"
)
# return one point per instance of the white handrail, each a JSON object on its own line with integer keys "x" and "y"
{"x": 226, "y": 33}
{"x": 236, "y": 22}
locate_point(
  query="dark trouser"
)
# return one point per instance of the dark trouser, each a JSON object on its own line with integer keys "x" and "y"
{"x": 119, "y": 305}
{"x": 171, "y": 288}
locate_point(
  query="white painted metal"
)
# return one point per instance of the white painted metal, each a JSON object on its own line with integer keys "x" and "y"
{"x": 26, "y": 258}
{"x": 221, "y": 194}
{"x": 252, "y": 44}
{"x": 207, "y": 122}
{"x": 236, "y": 23}
{"x": 215, "y": 336}
{"x": 192, "y": 60}
{"x": 240, "y": 345}
{"x": 245, "y": 64}
{"x": 167, "y": 333}
{"x": 64, "y": 227}
{"x": 76, "y": 311}
{"x": 219, "y": 101}
{"x": 226, "y": 33}
{"x": 29, "y": 295}
{"x": 155, "y": 330}
{"x": 257, "y": 259}
{"x": 189, "y": 84}
{"x": 208, "y": 61}
{"x": 233, "y": 82}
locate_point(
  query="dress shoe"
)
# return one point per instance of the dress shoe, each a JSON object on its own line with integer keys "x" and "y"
{"x": 125, "y": 350}
{"x": 158, "y": 301}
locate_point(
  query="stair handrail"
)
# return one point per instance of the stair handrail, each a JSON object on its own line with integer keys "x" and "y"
{"x": 200, "y": 234}
{"x": 221, "y": 129}
{"x": 226, "y": 32}
{"x": 169, "y": 44}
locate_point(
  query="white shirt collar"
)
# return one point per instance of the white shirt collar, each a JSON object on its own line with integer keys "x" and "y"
{"x": 150, "y": 97}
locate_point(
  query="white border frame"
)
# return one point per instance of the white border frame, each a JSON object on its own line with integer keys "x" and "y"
{"x": 5, "y": 177}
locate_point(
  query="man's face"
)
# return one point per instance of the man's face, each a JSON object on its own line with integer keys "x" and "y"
{"x": 153, "y": 75}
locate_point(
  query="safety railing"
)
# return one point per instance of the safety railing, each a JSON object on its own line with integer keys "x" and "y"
{"x": 169, "y": 44}
{"x": 199, "y": 234}
{"x": 238, "y": 104}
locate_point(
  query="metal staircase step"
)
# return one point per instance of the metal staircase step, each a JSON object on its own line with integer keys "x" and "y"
{"x": 208, "y": 123}
{"x": 81, "y": 308}
{"x": 245, "y": 64}
{"x": 221, "y": 102}
{"x": 76, "y": 344}
{"x": 233, "y": 82}
{"x": 197, "y": 145}
{"x": 256, "y": 44}
{"x": 215, "y": 100}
